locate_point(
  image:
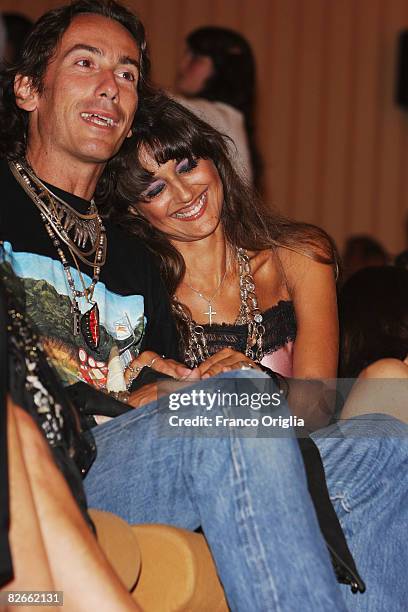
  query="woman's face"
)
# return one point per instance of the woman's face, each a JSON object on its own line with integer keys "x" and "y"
{"x": 184, "y": 199}
{"x": 193, "y": 73}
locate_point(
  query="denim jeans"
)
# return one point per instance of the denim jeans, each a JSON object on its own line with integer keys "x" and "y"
{"x": 366, "y": 465}
{"x": 249, "y": 495}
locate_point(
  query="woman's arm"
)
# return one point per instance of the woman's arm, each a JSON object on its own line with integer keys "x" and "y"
{"x": 315, "y": 353}
{"x": 313, "y": 290}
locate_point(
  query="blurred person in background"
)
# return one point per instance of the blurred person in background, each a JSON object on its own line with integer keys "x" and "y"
{"x": 362, "y": 251}
{"x": 401, "y": 260}
{"x": 3, "y": 37}
{"x": 17, "y": 29}
{"x": 373, "y": 311}
{"x": 217, "y": 79}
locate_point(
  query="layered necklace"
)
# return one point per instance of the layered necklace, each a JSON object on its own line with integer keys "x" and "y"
{"x": 85, "y": 239}
{"x": 196, "y": 349}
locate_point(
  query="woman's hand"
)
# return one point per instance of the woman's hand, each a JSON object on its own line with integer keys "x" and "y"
{"x": 224, "y": 361}
{"x": 156, "y": 362}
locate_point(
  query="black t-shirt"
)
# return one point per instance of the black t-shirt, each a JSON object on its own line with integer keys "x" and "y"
{"x": 133, "y": 304}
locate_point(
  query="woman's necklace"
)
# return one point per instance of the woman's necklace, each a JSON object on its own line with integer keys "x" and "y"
{"x": 60, "y": 219}
{"x": 196, "y": 349}
{"x": 210, "y": 312}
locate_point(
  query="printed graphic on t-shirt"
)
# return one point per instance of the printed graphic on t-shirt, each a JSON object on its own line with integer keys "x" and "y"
{"x": 43, "y": 289}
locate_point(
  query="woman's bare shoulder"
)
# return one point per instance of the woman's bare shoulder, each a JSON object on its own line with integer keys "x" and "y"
{"x": 300, "y": 267}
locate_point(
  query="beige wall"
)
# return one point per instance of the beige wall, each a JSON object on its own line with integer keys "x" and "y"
{"x": 335, "y": 145}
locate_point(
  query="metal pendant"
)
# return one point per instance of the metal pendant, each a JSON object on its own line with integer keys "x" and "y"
{"x": 90, "y": 327}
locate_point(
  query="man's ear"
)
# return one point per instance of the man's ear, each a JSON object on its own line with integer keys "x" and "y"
{"x": 26, "y": 95}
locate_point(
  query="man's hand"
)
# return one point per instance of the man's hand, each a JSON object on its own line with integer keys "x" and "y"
{"x": 144, "y": 395}
{"x": 224, "y": 361}
{"x": 149, "y": 393}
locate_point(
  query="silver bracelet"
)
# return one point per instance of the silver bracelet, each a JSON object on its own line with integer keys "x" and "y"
{"x": 137, "y": 369}
{"x": 149, "y": 365}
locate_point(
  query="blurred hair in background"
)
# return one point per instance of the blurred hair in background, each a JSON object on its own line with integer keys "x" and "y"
{"x": 362, "y": 251}
{"x": 17, "y": 28}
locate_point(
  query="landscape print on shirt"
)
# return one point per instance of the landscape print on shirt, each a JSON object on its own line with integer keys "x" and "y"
{"x": 44, "y": 292}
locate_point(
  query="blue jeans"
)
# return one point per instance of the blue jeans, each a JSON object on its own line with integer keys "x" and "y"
{"x": 367, "y": 477}
{"x": 249, "y": 495}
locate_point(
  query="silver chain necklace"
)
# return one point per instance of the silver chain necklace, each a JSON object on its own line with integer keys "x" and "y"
{"x": 210, "y": 312}
{"x": 71, "y": 227}
{"x": 196, "y": 349}
{"x": 52, "y": 212}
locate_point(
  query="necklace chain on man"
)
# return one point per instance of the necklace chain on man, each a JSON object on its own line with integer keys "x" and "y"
{"x": 73, "y": 228}
{"x": 59, "y": 219}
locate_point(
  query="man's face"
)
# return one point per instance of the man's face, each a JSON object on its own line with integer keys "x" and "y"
{"x": 90, "y": 93}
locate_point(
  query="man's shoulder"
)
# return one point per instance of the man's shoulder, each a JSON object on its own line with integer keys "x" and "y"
{"x": 17, "y": 215}
{"x": 129, "y": 259}
{"x": 124, "y": 243}
{"x": 8, "y": 184}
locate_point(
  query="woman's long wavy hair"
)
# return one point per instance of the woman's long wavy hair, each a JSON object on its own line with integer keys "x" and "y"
{"x": 169, "y": 131}
{"x": 39, "y": 49}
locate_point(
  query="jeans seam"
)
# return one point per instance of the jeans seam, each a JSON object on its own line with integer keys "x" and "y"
{"x": 248, "y": 526}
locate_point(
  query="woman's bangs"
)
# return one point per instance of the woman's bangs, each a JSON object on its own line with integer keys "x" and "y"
{"x": 174, "y": 144}
{"x": 163, "y": 152}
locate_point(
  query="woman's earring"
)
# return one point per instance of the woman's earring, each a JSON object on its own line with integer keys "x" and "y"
{"x": 133, "y": 211}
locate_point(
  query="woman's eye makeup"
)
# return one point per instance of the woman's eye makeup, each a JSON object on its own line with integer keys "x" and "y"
{"x": 156, "y": 188}
{"x": 186, "y": 165}
{"x": 153, "y": 190}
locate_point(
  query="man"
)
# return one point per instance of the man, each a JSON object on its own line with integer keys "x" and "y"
{"x": 97, "y": 301}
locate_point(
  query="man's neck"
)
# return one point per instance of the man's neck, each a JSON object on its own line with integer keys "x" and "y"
{"x": 77, "y": 178}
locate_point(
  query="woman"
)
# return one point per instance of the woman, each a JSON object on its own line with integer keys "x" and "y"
{"x": 239, "y": 275}
{"x": 374, "y": 341}
{"x": 184, "y": 199}
{"x": 216, "y": 78}
{"x": 366, "y": 454}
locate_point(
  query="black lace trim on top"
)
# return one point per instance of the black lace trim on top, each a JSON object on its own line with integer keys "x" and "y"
{"x": 280, "y": 328}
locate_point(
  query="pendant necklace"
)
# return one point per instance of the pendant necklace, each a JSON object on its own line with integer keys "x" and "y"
{"x": 210, "y": 312}
{"x": 65, "y": 225}
{"x": 195, "y": 342}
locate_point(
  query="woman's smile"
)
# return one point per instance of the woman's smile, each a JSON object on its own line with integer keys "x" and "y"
{"x": 193, "y": 211}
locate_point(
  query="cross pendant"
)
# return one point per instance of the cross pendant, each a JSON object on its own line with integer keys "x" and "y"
{"x": 210, "y": 313}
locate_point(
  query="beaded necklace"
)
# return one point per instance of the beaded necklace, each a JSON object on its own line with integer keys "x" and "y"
{"x": 61, "y": 220}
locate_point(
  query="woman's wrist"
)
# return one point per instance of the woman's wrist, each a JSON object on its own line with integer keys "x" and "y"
{"x": 137, "y": 368}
